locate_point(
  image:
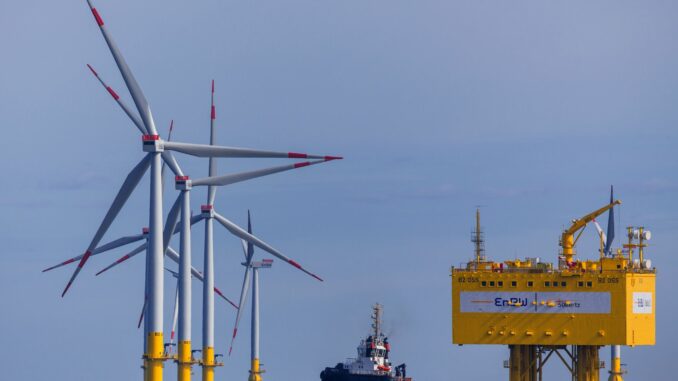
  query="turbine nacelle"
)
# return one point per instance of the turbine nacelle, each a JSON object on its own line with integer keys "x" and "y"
{"x": 182, "y": 183}
{"x": 207, "y": 211}
{"x": 152, "y": 143}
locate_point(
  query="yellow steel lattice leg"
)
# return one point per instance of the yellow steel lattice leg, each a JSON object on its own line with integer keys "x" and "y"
{"x": 587, "y": 363}
{"x": 523, "y": 363}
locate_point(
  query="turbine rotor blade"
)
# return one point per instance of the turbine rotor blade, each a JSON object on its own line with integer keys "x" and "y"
{"x": 125, "y": 191}
{"x": 221, "y": 294}
{"x": 244, "y": 176}
{"x": 133, "y": 117}
{"x": 206, "y": 150}
{"x": 250, "y": 248}
{"x": 131, "y": 82}
{"x": 212, "y": 191}
{"x": 66, "y": 262}
{"x": 125, "y": 257}
{"x": 117, "y": 243}
{"x": 141, "y": 315}
{"x": 169, "y": 160}
{"x": 239, "y": 232}
{"x": 173, "y": 255}
{"x": 243, "y": 300}
{"x": 171, "y": 223}
{"x": 176, "y": 314}
{"x": 103, "y": 248}
{"x": 165, "y": 159}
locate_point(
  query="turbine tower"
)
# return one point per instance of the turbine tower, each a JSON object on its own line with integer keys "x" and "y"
{"x": 255, "y": 370}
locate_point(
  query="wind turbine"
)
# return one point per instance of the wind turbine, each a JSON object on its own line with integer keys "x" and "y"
{"x": 255, "y": 370}
{"x": 157, "y": 151}
{"x": 209, "y": 215}
{"x": 252, "y": 268}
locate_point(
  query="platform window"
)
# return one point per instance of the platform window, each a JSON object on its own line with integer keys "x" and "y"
{"x": 589, "y": 284}
{"x": 500, "y": 283}
{"x": 563, "y": 284}
{"x": 580, "y": 284}
{"x": 547, "y": 284}
{"x": 514, "y": 283}
{"x": 483, "y": 284}
{"x": 491, "y": 283}
{"x": 530, "y": 283}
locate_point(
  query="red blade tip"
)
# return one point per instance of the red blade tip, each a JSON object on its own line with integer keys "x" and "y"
{"x": 70, "y": 282}
{"x": 329, "y": 158}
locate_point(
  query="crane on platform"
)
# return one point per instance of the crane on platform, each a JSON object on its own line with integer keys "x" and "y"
{"x": 568, "y": 240}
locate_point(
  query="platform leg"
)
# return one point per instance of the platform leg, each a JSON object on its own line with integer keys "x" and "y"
{"x": 587, "y": 365}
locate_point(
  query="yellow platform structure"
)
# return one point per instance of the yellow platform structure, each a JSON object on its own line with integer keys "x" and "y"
{"x": 539, "y": 309}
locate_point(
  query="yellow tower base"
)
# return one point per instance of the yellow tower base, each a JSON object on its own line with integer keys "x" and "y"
{"x": 184, "y": 361}
{"x": 208, "y": 364}
{"x": 615, "y": 370}
{"x": 255, "y": 371}
{"x": 154, "y": 357}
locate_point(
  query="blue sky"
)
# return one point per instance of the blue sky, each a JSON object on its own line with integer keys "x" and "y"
{"x": 531, "y": 108}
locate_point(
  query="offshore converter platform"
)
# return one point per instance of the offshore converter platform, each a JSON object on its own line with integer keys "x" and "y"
{"x": 568, "y": 311}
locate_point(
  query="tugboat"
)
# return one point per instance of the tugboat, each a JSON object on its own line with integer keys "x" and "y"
{"x": 372, "y": 363}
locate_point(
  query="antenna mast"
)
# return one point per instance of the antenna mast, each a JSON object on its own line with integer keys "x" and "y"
{"x": 477, "y": 237}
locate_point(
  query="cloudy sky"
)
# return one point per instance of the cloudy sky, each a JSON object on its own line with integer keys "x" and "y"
{"x": 529, "y": 108}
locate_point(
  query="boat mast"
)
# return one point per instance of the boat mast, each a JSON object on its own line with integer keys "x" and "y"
{"x": 376, "y": 320}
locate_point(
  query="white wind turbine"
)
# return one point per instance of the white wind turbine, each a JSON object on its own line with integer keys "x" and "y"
{"x": 209, "y": 214}
{"x": 185, "y": 184}
{"x": 157, "y": 151}
{"x": 251, "y": 270}
{"x": 122, "y": 241}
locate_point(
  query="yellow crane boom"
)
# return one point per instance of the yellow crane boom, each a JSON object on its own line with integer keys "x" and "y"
{"x": 567, "y": 240}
